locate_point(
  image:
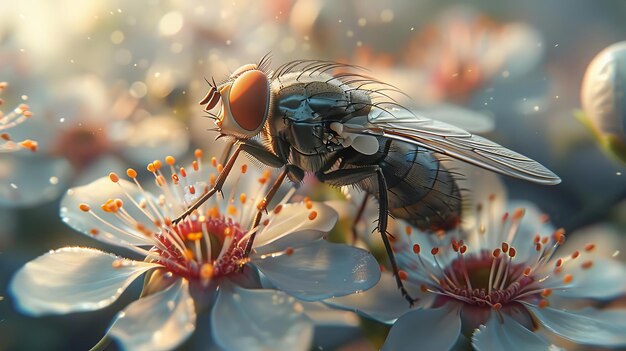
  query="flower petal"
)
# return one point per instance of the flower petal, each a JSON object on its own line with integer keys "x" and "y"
{"x": 603, "y": 280}
{"x": 259, "y": 319}
{"x": 320, "y": 270}
{"x": 383, "y": 302}
{"x": 426, "y": 329}
{"x": 160, "y": 321}
{"x": 588, "y": 326}
{"x": 97, "y": 193}
{"x": 31, "y": 180}
{"x": 291, "y": 227}
{"x": 73, "y": 279}
{"x": 507, "y": 335}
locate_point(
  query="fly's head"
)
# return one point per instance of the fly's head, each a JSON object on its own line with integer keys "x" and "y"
{"x": 245, "y": 98}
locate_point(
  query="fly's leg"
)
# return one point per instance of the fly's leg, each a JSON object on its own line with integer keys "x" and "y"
{"x": 219, "y": 182}
{"x": 382, "y": 229}
{"x": 262, "y": 206}
{"x": 352, "y": 176}
{"x": 255, "y": 151}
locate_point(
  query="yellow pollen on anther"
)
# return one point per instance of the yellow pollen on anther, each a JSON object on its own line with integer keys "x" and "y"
{"x": 312, "y": 215}
{"x": 197, "y": 153}
{"x": 214, "y": 161}
{"x": 220, "y": 168}
{"x": 170, "y": 160}
{"x": 242, "y": 198}
{"x": 157, "y": 164}
{"x": 131, "y": 173}
{"x": 84, "y": 207}
{"x": 119, "y": 203}
{"x": 206, "y": 271}
{"x": 568, "y": 278}
{"x": 194, "y": 236}
{"x": 244, "y": 168}
{"x": 309, "y": 205}
{"x": 150, "y": 167}
{"x": 231, "y": 209}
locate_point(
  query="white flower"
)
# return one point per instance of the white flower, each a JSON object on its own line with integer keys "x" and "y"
{"x": 197, "y": 265}
{"x": 502, "y": 284}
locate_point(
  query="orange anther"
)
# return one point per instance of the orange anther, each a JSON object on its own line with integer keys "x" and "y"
{"x": 403, "y": 275}
{"x": 231, "y": 209}
{"x": 228, "y": 231}
{"x": 84, "y": 207}
{"x": 423, "y": 288}
{"x": 150, "y": 167}
{"x": 496, "y": 253}
{"x": 497, "y": 306}
{"x": 544, "y": 218}
{"x": 587, "y": 264}
{"x": 220, "y": 168}
{"x": 408, "y": 230}
{"x": 175, "y": 178}
{"x": 195, "y": 166}
{"x": 492, "y": 197}
{"x": 29, "y": 144}
{"x": 544, "y": 240}
{"x": 131, "y": 173}
{"x": 559, "y": 262}
{"x": 192, "y": 189}
{"x": 212, "y": 179}
{"x": 242, "y": 198}
{"x": 157, "y": 164}
{"x": 277, "y": 209}
{"x": 206, "y": 271}
{"x": 114, "y": 177}
{"x": 543, "y": 304}
{"x": 289, "y": 251}
{"x": 568, "y": 278}
{"x": 455, "y": 245}
{"x": 117, "y": 263}
{"x": 94, "y": 231}
{"x": 198, "y": 153}
{"x": 434, "y": 251}
{"x": 518, "y": 213}
{"x": 5, "y": 136}
{"x": 538, "y": 247}
{"x": 214, "y": 161}
{"x": 312, "y": 215}
{"x": 309, "y": 204}
{"x": 170, "y": 160}
{"x": 188, "y": 254}
{"x": 590, "y": 247}
{"x": 416, "y": 249}
{"x": 575, "y": 254}
{"x": 505, "y": 247}
{"x": 244, "y": 168}
{"x": 546, "y": 292}
{"x": 183, "y": 172}
{"x": 463, "y": 249}
{"x": 119, "y": 203}
{"x": 527, "y": 271}
{"x": 512, "y": 252}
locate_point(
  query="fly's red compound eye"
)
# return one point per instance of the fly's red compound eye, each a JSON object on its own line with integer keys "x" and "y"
{"x": 249, "y": 99}
{"x": 211, "y": 99}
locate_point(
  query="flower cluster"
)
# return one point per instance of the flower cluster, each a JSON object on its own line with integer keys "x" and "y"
{"x": 10, "y": 120}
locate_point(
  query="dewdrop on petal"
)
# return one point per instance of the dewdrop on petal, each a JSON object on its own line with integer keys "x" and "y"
{"x": 603, "y": 98}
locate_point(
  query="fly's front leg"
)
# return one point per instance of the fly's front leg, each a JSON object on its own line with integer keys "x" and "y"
{"x": 343, "y": 177}
{"x": 219, "y": 182}
{"x": 262, "y": 206}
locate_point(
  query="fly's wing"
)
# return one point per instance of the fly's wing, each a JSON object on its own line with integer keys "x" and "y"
{"x": 403, "y": 125}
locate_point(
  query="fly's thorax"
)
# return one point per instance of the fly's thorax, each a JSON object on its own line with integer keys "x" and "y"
{"x": 304, "y": 107}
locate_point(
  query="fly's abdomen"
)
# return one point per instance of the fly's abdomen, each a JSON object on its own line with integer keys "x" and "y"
{"x": 420, "y": 189}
